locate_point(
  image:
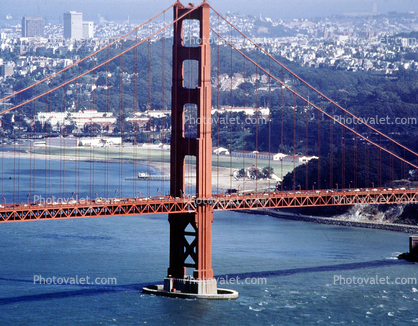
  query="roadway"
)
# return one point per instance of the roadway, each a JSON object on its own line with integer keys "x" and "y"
{"x": 188, "y": 204}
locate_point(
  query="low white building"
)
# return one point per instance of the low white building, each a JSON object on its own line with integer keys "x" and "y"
{"x": 80, "y": 118}
{"x": 249, "y": 111}
{"x": 53, "y": 118}
{"x": 258, "y": 155}
{"x": 154, "y": 113}
{"x": 72, "y": 141}
{"x": 220, "y": 151}
{"x": 100, "y": 141}
{"x": 298, "y": 158}
{"x": 61, "y": 142}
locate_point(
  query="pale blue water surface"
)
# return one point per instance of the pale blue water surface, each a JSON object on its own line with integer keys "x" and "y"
{"x": 296, "y": 268}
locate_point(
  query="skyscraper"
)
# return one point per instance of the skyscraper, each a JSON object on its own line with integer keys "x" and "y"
{"x": 88, "y": 29}
{"x": 73, "y": 25}
{"x": 32, "y": 26}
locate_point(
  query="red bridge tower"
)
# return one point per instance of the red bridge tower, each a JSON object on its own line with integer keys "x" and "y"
{"x": 197, "y": 251}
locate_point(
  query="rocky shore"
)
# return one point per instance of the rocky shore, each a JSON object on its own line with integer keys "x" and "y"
{"x": 412, "y": 229}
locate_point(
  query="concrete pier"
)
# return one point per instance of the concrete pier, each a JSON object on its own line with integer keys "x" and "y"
{"x": 191, "y": 288}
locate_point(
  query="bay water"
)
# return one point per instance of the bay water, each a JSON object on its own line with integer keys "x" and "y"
{"x": 287, "y": 272}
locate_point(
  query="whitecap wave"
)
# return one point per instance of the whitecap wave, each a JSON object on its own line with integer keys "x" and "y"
{"x": 255, "y": 309}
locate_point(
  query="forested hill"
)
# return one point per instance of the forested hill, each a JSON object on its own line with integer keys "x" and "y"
{"x": 370, "y": 96}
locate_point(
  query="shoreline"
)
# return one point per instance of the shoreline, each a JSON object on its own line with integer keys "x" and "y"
{"x": 221, "y": 176}
{"x": 403, "y": 228}
{"x": 222, "y": 180}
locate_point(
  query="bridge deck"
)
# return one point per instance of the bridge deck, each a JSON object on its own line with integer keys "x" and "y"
{"x": 167, "y": 204}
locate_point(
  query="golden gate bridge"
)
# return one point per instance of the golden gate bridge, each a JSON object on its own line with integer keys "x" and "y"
{"x": 190, "y": 205}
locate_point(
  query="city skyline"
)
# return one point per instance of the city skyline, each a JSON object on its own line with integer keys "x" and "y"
{"x": 52, "y": 10}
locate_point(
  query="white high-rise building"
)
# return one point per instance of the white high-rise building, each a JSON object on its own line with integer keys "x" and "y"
{"x": 73, "y": 25}
{"x": 32, "y": 26}
{"x": 88, "y": 29}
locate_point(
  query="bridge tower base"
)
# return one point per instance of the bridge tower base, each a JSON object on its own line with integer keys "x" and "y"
{"x": 191, "y": 233}
{"x": 412, "y": 255}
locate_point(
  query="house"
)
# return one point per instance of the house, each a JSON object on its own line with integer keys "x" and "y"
{"x": 220, "y": 151}
{"x": 298, "y": 158}
{"x": 258, "y": 155}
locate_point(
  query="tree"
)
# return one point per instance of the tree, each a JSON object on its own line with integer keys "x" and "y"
{"x": 69, "y": 128}
{"x": 255, "y": 173}
{"x": 141, "y": 137}
{"x": 363, "y": 167}
{"x": 7, "y": 122}
{"x": 241, "y": 173}
{"x": 92, "y": 129}
{"x": 101, "y": 81}
{"x": 268, "y": 171}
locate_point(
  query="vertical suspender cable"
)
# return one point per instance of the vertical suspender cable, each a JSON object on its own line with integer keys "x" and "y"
{"x": 17, "y": 176}
{"x": 135, "y": 125}
{"x": 121, "y": 122}
{"x": 63, "y": 108}
{"x": 217, "y": 113}
{"x": 45, "y": 153}
{"x": 107, "y": 105}
{"x": 366, "y": 150}
{"x": 230, "y": 124}
{"x": 392, "y": 167}
{"x": 95, "y": 130}
{"x": 269, "y": 117}
{"x": 49, "y": 148}
{"x": 319, "y": 144}
{"x": 31, "y": 156}
{"x": 34, "y": 191}
{"x": 78, "y": 149}
{"x": 32, "y": 150}
{"x": 307, "y": 141}
{"x": 89, "y": 126}
{"x": 294, "y": 135}
{"x": 343, "y": 156}
{"x": 60, "y": 141}
{"x": 3, "y": 198}
{"x": 355, "y": 159}
{"x": 243, "y": 132}
{"x": 331, "y": 154}
{"x": 380, "y": 162}
{"x": 281, "y": 131}
{"x": 256, "y": 122}
{"x": 162, "y": 104}
{"x": 15, "y": 162}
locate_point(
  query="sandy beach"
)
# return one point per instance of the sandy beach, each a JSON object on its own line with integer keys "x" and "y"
{"x": 221, "y": 176}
